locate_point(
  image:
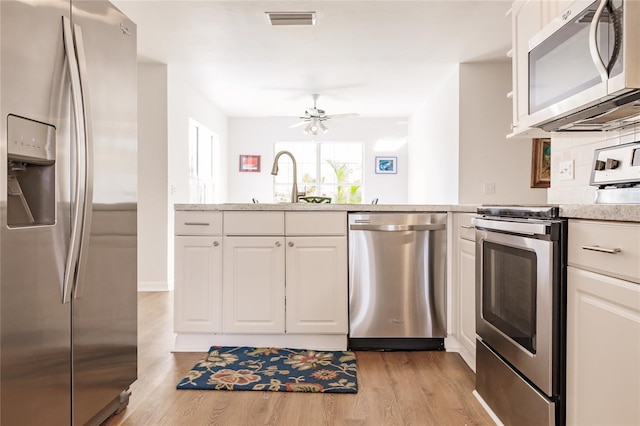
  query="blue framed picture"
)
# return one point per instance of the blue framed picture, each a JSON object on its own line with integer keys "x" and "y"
{"x": 386, "y": 165}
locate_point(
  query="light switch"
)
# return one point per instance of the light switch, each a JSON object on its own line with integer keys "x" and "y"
{"x": 489, "y": 188}
{"x": 565, "y": 171}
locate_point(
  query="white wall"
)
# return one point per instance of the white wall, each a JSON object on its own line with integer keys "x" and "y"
{"x": 185, "y": 102}
{"x": 457, "y": 142}
{"x": 153, "y": 262}
{"x": 166, "y": 101}
{"x": 256, "y": 136}
{"x": 485, "y": 155}
{"x": 579, "y": 148}
{"x": 433, "y": 145}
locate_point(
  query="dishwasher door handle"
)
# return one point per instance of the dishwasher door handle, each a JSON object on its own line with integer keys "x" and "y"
{"x": 399, "y": 228}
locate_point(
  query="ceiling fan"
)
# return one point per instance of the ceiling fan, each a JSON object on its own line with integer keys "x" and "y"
{"x": 313, "y": 118}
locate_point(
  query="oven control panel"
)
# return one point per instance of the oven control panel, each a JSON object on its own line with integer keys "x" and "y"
{"x": 616, "y": 166}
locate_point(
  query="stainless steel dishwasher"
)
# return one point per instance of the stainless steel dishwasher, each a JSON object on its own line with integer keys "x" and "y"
{"x": 397, "y": 276}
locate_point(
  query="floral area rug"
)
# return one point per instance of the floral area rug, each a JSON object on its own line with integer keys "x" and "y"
{"x": 274, "y": 369}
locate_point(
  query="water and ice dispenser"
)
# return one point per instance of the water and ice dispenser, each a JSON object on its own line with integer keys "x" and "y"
{"x": 31, "y": 176}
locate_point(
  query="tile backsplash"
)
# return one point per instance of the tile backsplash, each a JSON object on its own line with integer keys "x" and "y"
{"x": 579, "y": 148}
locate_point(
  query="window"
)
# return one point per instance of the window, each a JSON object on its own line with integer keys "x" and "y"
{"x": 202, "y": 144}
{"x": 324, "y": 169}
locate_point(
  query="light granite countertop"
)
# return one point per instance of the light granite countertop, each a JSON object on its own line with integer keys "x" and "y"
{"x": 329, "y": 207}
{"x": 613, "y": 212}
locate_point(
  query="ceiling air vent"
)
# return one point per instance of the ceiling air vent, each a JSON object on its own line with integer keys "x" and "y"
{"x": 292, "y": 18}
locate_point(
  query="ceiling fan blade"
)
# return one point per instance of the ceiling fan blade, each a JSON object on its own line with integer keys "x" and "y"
{"x": 298, "y": 124}
{"x": 350, "y": 114}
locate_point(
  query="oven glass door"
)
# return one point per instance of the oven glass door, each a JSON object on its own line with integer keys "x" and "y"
{"x": 515, "y": 301}
{"x": 509, "y": 293}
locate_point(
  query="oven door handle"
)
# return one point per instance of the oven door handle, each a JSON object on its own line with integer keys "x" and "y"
{"x": 509, "y": 226}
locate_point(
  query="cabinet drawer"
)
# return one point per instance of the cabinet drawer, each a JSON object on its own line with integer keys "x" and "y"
{"x": 198, "y": 223}
{"x": 316, "y": 223}
{"x": 611, "y": 248}
{"x": 466, "y": 230}
{"x": 254, "y": 223}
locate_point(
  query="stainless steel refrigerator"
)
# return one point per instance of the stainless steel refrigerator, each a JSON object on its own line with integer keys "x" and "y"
{"x": 68, "y": 135}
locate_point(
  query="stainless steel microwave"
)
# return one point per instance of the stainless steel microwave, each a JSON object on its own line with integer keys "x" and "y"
{"x": 584, "y": 68}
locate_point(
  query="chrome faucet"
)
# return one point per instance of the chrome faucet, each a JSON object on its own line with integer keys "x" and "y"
{"x": 274, "y": 171}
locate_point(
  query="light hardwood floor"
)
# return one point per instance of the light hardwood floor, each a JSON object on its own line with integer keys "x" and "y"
{"x": 395, "y": 388}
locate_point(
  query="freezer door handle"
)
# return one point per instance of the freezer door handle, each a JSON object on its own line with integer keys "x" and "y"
{"x": 79, "y": 192}
{"x": 88, "y": 162}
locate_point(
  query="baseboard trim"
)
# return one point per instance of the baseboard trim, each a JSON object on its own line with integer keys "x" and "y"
{"x": 155, "y": 286}
{"x": 201, "y": 342}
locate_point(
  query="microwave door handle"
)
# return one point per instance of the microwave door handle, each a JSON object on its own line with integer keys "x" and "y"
{"x": 593, "y": 42}
{"x": 617, "y": 34}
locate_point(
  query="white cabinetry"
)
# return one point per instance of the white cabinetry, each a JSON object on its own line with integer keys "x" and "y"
{"x": 285, "y": 273}
{"x": 198, "y": 272}
{"x": 603, "y": 323}
{"x": 316, "y": 282}
{"x": 464, "y": 287}
{"x": 254, "y": 284}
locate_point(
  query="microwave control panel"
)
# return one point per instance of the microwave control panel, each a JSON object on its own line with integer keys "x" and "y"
{"x": 616, "y": 166}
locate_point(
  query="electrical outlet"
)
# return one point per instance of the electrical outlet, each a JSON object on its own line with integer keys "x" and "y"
{"x": 565, "y": 171}
{"x": 489, "y": 187}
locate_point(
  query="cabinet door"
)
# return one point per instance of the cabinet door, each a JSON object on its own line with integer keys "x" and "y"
{"x": 603, "y": 350}
{"x": 467, "y": 277}
{"x": 317, "y": 294}
{"x": 198, "y": 284}
{"x": 253, "y": 287}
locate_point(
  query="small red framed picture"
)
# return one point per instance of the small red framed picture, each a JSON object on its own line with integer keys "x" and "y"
{"x": 249, "y": 163}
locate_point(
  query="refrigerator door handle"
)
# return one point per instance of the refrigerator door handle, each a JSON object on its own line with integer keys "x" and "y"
{"x": 77, "y": 211}
{"x": 88, "y": 163}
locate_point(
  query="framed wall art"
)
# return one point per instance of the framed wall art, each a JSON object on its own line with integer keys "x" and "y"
{"x": 541, "y": 163}
{"x": 249, "y": 163}
{"x": 386, "y": 165}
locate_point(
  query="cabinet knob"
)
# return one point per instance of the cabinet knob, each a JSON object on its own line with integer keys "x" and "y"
{"x": 216, "y": 243}
{"x": 278, "y": 244}
{"x": 290, "y": 244}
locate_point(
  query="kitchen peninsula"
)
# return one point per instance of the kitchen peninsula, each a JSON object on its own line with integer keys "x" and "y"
{"x": 220, "y": 249}
{"x": 232, "y": 262}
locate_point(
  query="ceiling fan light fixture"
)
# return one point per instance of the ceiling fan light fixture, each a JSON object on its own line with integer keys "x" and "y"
{"x": 312, "y": 128}
{"x": 291, "y": 18}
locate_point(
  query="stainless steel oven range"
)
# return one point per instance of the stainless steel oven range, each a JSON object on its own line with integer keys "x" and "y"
{"x": 520, "y": 313}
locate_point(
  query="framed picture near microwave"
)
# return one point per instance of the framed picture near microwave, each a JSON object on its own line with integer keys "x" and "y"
{"x": 541, "y": 163}
{"x": 249, "y": 163}
{"x": 386, "y": 165}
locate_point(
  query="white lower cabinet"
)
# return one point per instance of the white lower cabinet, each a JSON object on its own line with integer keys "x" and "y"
{"x": 254, "y": 285}
{"x": 316, "y": 273}
{"x": 464, "y": 289}
{"x": 293, "y": 284}
{"x": 467, "y": 317}
{"x": 603, "y": 350}
{"x": 603, "y": 323}
{"x": 198, "y": 272}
